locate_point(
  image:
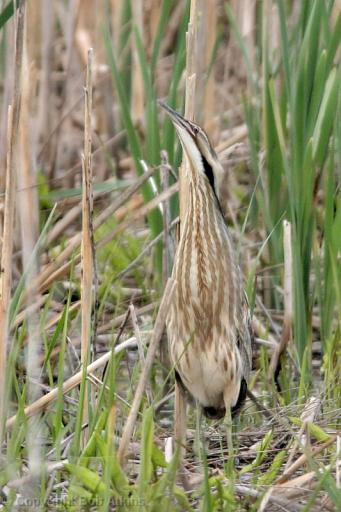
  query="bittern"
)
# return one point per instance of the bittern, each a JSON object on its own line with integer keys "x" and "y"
{"x": 208, "y": 325}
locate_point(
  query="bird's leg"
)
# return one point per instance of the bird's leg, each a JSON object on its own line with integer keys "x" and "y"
{"x": 199, "y": 444}
{"x": 228, "y": 425}
{"x": 180, "y": 424}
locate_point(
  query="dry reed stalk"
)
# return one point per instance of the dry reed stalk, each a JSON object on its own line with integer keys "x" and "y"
{"x": 288, "y": 300}
{"x": 87, "y": 250}
{"x": 70, "y": 383}
{"x": 11, "y": 166}
{"x": 157, "y": 333}
{"x": 28, "y": 193}
{"x": 205, "y": 88}
{"x": 297, "y": 486}
{"x": 303, "y": 460}
{"x": 6, "y": 97}
{"x": 34, "y": 20}
{"x": 308, "y": 415}
{"x": 28, "y": 216}
{"x": 302, "y": 439}
{"x": 191, "y": 66}
{"x": 280, "y": 502}
{"x": 18, "y": 53}
{"x": 191, "y": 59}
{"x": 190, "y": 84}
{"x": 6, "y": 263}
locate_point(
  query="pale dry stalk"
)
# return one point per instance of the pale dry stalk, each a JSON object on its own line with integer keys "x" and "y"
{"x": 6, "y": 263}
{"x": 28, "y": 208}
{"x": 191, "y": 61}
{"x": 303, "y": 459}
{"x": 206, "y": 86}
{"x": 191, "y": 68}
{"x": 87, "y": 262}
{"x": 11, "y": 169}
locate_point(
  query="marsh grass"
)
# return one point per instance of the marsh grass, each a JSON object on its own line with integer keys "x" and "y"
{"x": 286, "y": 93}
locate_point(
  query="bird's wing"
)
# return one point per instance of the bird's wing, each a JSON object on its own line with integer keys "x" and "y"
{"x": 245, "y": 337}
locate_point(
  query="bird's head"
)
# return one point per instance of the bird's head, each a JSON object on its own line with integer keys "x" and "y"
{"x": 198, "y": 149}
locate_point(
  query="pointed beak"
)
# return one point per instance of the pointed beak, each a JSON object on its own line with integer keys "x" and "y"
{"x": 178, "y": 120}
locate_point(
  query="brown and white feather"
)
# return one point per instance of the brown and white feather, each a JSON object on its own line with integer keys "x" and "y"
{"x": 208, "y": 323}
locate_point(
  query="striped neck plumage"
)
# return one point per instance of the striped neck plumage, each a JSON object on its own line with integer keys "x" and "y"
{"x": 202, "y": 182}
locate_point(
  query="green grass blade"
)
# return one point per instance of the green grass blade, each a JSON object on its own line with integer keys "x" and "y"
{"x": 326, "y": 117}
{"x": 7, "y": 12}
{"x": 146, "y": 465}
{"x": 164, "y": 16}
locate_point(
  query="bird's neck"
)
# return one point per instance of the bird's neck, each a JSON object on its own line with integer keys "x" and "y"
{"x": 203, "y": 196}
